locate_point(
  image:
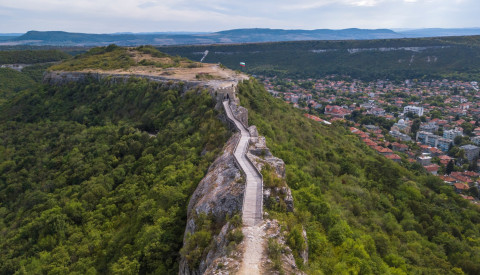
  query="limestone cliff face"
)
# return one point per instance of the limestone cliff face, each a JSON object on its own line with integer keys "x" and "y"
{"x": 219, "y": 195}
{"x": 216, "y": 89}
{"x": 241, "y": 113}
{"x": 261, "y": 157}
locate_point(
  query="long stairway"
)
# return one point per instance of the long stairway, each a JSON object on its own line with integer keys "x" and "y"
{"x": 252, "y": 204}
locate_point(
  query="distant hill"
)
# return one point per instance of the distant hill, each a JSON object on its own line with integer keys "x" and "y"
{"x": 436, "y": 32}
{"x": 60, "y": 38}
{"x": 450, "y": 57}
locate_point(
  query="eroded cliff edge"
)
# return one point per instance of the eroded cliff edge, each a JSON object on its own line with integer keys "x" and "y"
{"x": 224, "y": 253}
{"x": 214, "y": 218}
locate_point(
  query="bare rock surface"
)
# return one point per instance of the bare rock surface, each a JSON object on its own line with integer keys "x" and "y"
{"x": 219, "y": 193}
{"x": 240, "y": 113}
{"x": 273, "y": 231}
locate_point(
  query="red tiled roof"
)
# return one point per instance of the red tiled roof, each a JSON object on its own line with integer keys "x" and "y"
{"x": 431, "y": 167}
{"x": 444, "y": 157}
{"x": 447, "y": 179}
{"x": 471, "y": 174}
{"x": 393, "y": 157}
{"x": 461, "y": 186}
{"x": 470, "y": 198}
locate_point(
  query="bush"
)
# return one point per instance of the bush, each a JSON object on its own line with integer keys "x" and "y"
{"x": 275, "y": 250}
{"x": 235, "y": 235}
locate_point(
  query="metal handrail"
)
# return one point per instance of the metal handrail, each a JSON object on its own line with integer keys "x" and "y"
{"x": 235, "y": 149}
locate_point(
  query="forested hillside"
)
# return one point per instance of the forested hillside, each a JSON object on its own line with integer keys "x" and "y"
{"x": 31, "y": 56}
{"x": 394, "y": 59}
{"x": 13, "y": 81}
{"x": 363, "y": 214}
{"x": 95, "y": 178}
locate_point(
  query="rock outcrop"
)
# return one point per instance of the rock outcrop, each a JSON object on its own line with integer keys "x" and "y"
{"x": 220, "y": 90}
{"x": 261, "y": 156}
{"x": 240, "y": 113}
{"x": 218, "y": 195}
{"x": 287, "y": 261}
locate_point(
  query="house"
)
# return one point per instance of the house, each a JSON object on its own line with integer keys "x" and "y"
{"x": 400, "y": 136}
{"x": 451, "y": 134}
{"x": 448, "y": 180}
{"x": 316, "y": 118}
{"x": 460, "y": 187}
{"x": 399, "y": 147}
{"x": 394, "y": 157}
{"x": 429, "y": 127}
{"x": 402, "y": 126}
{"x": 471, "y": 174}
{"x": 382, "y": 150}
{"x": 425, "y": 159}
{"x": 460, "y": 177}
{"x": 336, "y": 111}
{"x": 376, "y": 111}
{"x": 413, "y": 109}
{"x": 470, "y": 198}
{"x": 435, "y": 151}
{"x": 432, "y": 168}
{"x": 433, "y": 140}
{"x": 444, "y": 159}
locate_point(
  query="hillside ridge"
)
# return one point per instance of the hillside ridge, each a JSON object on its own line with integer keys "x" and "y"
{"x": 251, "y": 256}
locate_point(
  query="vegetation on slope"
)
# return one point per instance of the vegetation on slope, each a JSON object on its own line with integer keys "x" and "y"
{"x": 113, "y": 57}
{"x": 31, "y": 57}
{"x": 106, "y": 58}
{"x": 12, "y": 82}
{"x": 395, "y": 59}
{"x": 363, "y": 213}
{"x": 84, "y": 189}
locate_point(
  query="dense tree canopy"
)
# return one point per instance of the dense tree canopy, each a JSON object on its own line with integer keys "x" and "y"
{"x": 363, "y": 213}
{"x": 95, "y": 177}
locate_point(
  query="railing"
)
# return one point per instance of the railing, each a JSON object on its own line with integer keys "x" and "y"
{"x": 261, "y": 179}
{"x": 259, "y": 174}
{"x": 235, "y": 149}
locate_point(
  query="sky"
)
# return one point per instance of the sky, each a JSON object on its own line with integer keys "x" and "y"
{"x": 110, "y": 16}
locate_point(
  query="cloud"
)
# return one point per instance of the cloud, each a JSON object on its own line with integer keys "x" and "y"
{"x": 212, "y": 15}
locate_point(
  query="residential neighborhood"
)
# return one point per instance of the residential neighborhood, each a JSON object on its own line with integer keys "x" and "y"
{"x": 430, "y": 125}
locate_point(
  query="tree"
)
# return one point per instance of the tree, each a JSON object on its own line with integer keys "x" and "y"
{"x": 473, "y": 165}
{"x": 457, "y": 140}
{"x": 415, "y": 126}
{"x": 449, "y": 168}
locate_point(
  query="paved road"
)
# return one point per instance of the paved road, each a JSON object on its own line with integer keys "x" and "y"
{"x": 252, "y": 203}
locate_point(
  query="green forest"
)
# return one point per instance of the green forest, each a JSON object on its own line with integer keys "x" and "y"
{"x": 394, "y": 59}
{"x": 95, "y": 177}
{"x": 31, "y": 56}
{"x": 363, "y": 214}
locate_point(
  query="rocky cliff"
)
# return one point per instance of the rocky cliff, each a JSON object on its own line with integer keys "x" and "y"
{"x": 219, "y": 196}
{"x": 219, "y": 89}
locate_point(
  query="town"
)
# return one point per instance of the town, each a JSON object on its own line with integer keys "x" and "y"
{"x": 423, "y": 125}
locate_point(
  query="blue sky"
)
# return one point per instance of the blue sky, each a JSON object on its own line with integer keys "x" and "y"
{"x": 107, "y": 16}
